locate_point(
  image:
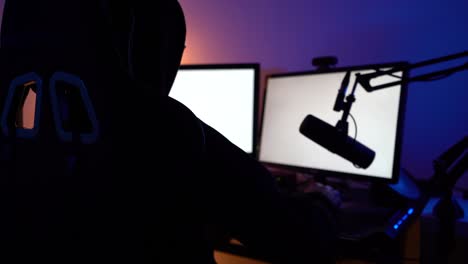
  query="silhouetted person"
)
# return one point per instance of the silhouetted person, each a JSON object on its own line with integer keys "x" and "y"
{"x": 158, "y": 180}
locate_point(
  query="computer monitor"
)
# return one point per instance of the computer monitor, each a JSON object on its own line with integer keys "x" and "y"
{"x": 223, "y": 96}
{"x": 290, "y": 97}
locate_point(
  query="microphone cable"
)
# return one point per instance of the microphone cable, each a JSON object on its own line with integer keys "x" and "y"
{"x": 355, "y": 135}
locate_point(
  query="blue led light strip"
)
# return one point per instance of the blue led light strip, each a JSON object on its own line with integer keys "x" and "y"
{"x": 401, "y": 221}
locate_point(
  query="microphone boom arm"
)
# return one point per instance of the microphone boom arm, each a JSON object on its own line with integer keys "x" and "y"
{"x": 364, "y": 79}
{"x": 342, "y": 124}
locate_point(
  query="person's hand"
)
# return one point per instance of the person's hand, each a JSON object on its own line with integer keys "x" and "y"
{"x": 306, "y": 184}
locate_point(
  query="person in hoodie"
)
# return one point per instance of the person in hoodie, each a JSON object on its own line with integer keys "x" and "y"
{"x": 184, "y": 185}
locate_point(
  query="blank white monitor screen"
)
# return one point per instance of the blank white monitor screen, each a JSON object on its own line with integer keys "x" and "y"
{"x": 222, "y": 96}
{"x": 291, "y": 97}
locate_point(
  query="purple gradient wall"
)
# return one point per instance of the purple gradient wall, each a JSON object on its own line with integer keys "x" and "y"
{"x": 285, "y": 35}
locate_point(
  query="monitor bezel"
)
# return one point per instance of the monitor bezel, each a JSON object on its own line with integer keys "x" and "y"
{"x": 238, "y": 66}
{"x": 341, "y": 175}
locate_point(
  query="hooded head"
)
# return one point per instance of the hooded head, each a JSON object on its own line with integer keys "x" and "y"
{"x": 150, "y": 38}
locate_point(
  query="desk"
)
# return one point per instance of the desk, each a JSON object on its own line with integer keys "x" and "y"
{"x": 229, "y": 258}
{"x": 406, "y": 248}
{"x": 410, "y": 248}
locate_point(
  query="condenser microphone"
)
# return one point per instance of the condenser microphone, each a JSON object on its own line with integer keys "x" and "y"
{"x": 337, "y": 142}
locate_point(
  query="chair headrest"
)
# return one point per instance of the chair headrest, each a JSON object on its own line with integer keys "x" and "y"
{"x": 148, "y": 35}
{"x": 51, "y": 23}
{"x": 50, "y": 35}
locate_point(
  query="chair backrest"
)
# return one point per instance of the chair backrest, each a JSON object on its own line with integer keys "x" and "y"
{"x": 70, "y": 191}
{"x": 60, "y": 82}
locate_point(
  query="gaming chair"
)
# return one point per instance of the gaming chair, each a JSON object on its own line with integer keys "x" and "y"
{"x": 77, "y": 184}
